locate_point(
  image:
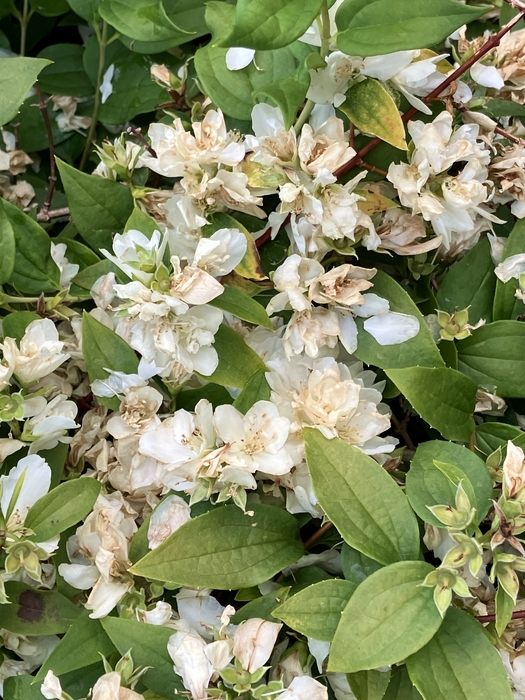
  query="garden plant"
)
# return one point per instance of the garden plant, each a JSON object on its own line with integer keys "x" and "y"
{"x": 262, "y": 351}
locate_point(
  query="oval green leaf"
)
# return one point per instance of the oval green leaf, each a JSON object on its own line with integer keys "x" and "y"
{"x": 361, "y": 499}
{"x": 389, "y": 617}
{"x": 316, "y": 610}
{"x": 226, "y": 549}
{"x": 460, "y": 663}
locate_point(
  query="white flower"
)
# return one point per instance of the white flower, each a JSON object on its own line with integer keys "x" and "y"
{"x": 31, "y": 478}
{"x": 67, "y": 120}
{"x": 515, "y": 667}
{"x": 328, "y": 85}
{"x": 167, "y": 517}
{"x": 292, "y": 280}
{"x": 40, "y": 352}
{"x": 407, "y": 74}
{"x": 272, "y": 143}
{"x": 187, "y": 650}
{"x": 392, "y": 328}
{"x": 487, "y": 76}
{"x": 253, "y": 642}
{"x": 137, "y": 255}
{"x": 238, "y": 58}
{"x": 511, "y": 268}
{"x": 256, "y": 441}
{"x": 309, "y": 331}
{"x": 138, "y": 412}
{"x": 106, "y": 87}
{"x": 324, "y": 147}
{"x": 221, "y": 252}
{"x": 108, "y": 688}
{"x": 118, "y": 383}
{"x": 513, "y": 471}
{"x": 177, "y": 149}
{"x": 48, "y": 422}
{"x": 67, "y": 270}
{"x": 304, "y": 688}
{"x": 51, "y": 688}
{"x": 342, "y": 285}
{"x": 201, "y": 611}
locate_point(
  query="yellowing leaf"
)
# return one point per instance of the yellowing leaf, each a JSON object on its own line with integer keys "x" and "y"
{"x": 373, "y": 111}
{"x": 374, "y": 202}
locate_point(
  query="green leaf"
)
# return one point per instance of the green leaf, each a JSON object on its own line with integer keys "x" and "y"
{"x": 375, "y": 27}
{"x": 421, "y": 350}
{"x": 250, "y": 265}
{"x": 21, "y": 688}
{"x": 356, "y": 566}
{"x": 372, "y": 109}
{"x": 460, "y": 663}
{"x": 236, "y": 302}
{"x": 66, "y": 74}
{"x": 504, "y": 108}
{"x": 443, "y": 397}
{"x": 288, "y": 94}
{"x": 50, "y": 8}
{"x": 490, "y": 436}
{"x": 361, "y": 499}
{"x": 262, "y": 607}
{"x": 237, "y": 362}
{"x": 226, "y": 549}
{"x": 506, "y": 306}
{"x": 233, "y": 91}
{"x": 271, "y": 24}
{"x": 134, "y": 92}
{"x": 256, "y": 389}
{"x": 87, "y": 9}
{"x": 7, "y": 246}
{"x": 34, "y": 271}
{"x": 81, "y": 646}
{"x": 401, "y": 687}
{"x": 504, "y": 610}
{"x": 144, "y": 20}
{"x": 470, "y": 282}
{"x": 494, "y": 356}
{"x": 34, "y": 611}
{"x": 139, "y": 221}
{"x": 17, "y": 76}
{"x": 79, "y": 253}
{"x": 86, "y": 278}
{"x": 148, "y": 645}
{"x": 426, "y": 485}
{"x": 316, "y": 610}
{"x": 102, "y": 350}
{"x": 214, "y": 393}
{"x": 389, "y": 617}
{"x": 369, "y": 685}
{"x": 99, "y": 207}
{"x": 61, "y": 508}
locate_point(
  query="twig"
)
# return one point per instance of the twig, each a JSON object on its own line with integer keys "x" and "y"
{"x": 401, "y": 429}
{"x": 42, "y": 106}
{"x": 317, "y": 535}
{"x": 372, "y": 168}
{"x": 518, "y": 615}
{"x": 472, "y": 442}
{"x": 53, "y": 214}
{"x": 490, "y": 44}
{"x": 135, "y": 131}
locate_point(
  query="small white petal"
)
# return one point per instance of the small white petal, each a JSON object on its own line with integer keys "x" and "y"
{"x": 392, "y": 328}
{"x": 487, "y": 76}
{"x": 106, "y": 88}
{"x": 238, "y": 58}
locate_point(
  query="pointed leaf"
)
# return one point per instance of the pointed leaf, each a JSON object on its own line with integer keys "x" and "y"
{"x": 316, "y": 610}
{"x": 226, "y": 549}
{"x": 389, "y": 617}
{"x": 460, "y": 663}
{"x": 372, "y": 109}
{"x": 17, "y": 76}
{"x": 361, "y": 499}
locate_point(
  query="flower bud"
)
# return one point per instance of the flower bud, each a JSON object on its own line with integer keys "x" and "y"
{"x": 457, "y": 518}
{"x": 468, "y": 551}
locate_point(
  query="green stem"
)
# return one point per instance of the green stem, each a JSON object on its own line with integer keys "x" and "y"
{"x": 24, "y": 21}
{"x": 102, "y": 43}
{"x": 303, "y": 116}
{"x": 325, "y": 35}
{"x": 325, "y": 48}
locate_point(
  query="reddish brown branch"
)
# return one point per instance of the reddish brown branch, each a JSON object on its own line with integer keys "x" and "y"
{"x": 518, "y": 615}
{"x": 314, "y": 539}
{"x": 486, "y": 48}
{"x": 42, "y": 106}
